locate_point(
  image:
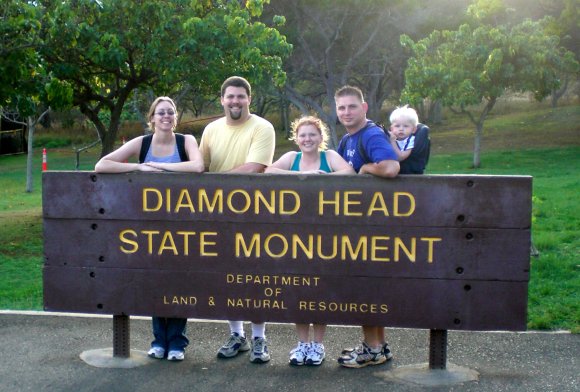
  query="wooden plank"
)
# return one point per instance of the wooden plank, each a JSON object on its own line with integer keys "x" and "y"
{"x": 446, "y": 201}
{"x": 457, "y": 254}
{"x": 416, "y": 303}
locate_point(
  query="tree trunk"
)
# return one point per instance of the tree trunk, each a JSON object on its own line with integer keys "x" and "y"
{"x": 479, "y": 130}
{"x": 435, "y": 112}
{"x": 30, "y": 125}
{"x": 108, "y": 141}
{"x": 477, "y": 145}
{"x": 284, "y": 118}
{"x": 557, "y": 94}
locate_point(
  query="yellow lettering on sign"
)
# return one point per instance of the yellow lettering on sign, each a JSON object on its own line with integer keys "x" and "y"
{"x": 162, "y": 242}
{"x": 252, "y": 303}
{"x": 155, "y": 194}
{"x": 360, "y": 253}
{"x": 342, "y": 307}
{"x": 430, "y": 242}
{"x": 184, "y": 201}
{"x": 218, "y": 199}
{"x": 403, "y": 204}
{"x": 204, "y": 243}
{"x": 397, "y": 199}
{"x": 400, "y": 245}
{"x": 134, "y": 244}
{"x": 294, "y": 197}
{"x": 349, "y": 202}
{"x": 186, "y": 235}
{"x": 167, "y": 243}
{"x": 331, "y": 201}
{"x": 246, "y": 198}
{"x": 378, "y": 205}
{"x": 376, "y": 248}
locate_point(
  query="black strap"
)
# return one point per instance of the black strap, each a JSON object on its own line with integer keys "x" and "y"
{"x": 360, "y": 147}
{"x": 146, "y": 143}
{"x": 180, "y": 140}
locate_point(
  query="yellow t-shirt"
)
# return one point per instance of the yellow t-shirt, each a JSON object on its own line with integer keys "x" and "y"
{"x": 225, "y": 147}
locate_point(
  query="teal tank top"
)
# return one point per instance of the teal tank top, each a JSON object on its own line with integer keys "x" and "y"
{"x": 324, "y": 166}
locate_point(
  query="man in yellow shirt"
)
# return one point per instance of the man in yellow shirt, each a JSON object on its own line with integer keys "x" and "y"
{"x": 240, "y": 142}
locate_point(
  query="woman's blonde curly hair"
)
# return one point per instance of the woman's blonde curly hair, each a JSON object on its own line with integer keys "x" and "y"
{"x": 310, "y": 120}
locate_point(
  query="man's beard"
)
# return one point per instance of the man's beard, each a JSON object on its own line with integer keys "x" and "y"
{"x": 236, "y": 115}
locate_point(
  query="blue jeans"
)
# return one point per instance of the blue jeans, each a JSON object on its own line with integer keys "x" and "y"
{"x": 169, "y": 333}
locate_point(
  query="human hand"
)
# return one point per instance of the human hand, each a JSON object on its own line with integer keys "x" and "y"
{"x": 149, "y": 167}
{"x": 365, "y": 169}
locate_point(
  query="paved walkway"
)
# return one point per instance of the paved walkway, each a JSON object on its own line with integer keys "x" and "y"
{"x": 41, "y": 352}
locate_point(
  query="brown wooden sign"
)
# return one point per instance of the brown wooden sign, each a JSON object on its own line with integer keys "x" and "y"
{"x": 434, "y": 252}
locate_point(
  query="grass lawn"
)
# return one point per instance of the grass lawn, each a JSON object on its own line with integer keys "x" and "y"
{"x": 514, "y": 143}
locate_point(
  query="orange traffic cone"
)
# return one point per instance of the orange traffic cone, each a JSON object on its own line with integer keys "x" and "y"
{"x": 44, "y": 164}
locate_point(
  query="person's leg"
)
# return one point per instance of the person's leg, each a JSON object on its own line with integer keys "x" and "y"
{"x": 372, "y": 336}
{"x": 236, "y": 342}
{"x": 259, "y": 353}
{"x": 237, "y": 327}
{"x": 298, "y": 354}
{"x": 318, "y": 332}
{"x": 381, "y": 335}
{"x": 316, "y": 352}
{"x": 176, "y": 338}
{"x": 303, "y": 330}
{"x": 383, "y": 339}
{"x": 258, "y": 330}
{"x": 159, "y": 343}
{"x": 370, "y": 352}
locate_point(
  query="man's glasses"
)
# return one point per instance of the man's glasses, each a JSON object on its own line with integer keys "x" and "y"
{"x": 163, "y": 113}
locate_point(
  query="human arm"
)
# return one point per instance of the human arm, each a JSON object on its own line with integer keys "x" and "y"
{"x": 401, "y": 155}
{"x": 338, "y": 164}
{"x": 283, "y": 165}
{"x": 116, "y": 161}
{"x": 387, "y": 169}
{"x": 193, "y": 165}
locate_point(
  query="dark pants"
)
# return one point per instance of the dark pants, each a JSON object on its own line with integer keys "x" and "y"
{"x": 169, "y": 333}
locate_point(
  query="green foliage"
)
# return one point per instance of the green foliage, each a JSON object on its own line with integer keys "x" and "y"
{"x": 108, "y": 49}
{"x": 466, "y": 66}
{"x": 25, "y": 83}
{"x": 474, "y": 65}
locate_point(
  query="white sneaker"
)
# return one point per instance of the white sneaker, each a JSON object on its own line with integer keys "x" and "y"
{"x": 175, "y": 355}
{"x": 298, "y": 354}
{"x": 259, "y": 353}
{"x": 315, "y": 354}
{"x": 156, "y": 352}
{"x": 235, "y": 345}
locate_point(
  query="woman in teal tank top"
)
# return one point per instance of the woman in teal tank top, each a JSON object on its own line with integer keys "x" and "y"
{"x": 310, "y": 134}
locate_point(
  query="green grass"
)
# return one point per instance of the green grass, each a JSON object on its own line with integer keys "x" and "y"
{"x": 554, "y": 287}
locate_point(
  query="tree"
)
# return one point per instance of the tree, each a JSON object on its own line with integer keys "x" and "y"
{"x": 107, "y": 49}
{"x": 340, "y": 42}
{"x": 476, "y": 65}
{"x": 27, "y": 90}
